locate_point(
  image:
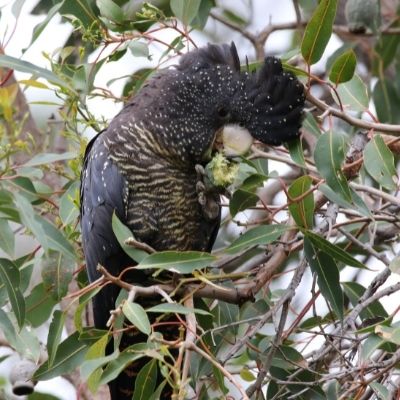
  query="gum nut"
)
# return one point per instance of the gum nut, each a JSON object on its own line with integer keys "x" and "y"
{"x": 236, "y": 140}
{"x": 21, "y": 378}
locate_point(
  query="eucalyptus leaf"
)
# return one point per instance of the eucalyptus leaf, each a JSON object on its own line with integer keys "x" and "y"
{"x": 69, "y": 354}
{"x": 263, "y": 234}
{"x": 185, "y": 10}
{"x": 379, "y": 162}
{"x": 146, "y": 381}
{"x": 353, "y": 94}
{"x": 137, "y": 315}
{"x": 184, "y": 262}
{"x": 25, "y": 66}
{"x": 318, "y": 31}
{"x": 10, "y": 276}
{"x": 327, "y": 272}
{"x": 343, "y": 68}
{"x": 176, "y": 308}
{"x": 54, "y": 335}
{"x": 301, "y": 210}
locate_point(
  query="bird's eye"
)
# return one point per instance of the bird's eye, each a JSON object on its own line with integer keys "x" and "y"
{"x": 223, "y": 112}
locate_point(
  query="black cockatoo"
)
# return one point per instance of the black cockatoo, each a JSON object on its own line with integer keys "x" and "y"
{"x": 143, "y": 166}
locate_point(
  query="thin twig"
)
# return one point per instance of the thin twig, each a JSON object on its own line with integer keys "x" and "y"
{"x": 191, "y": 324}
{"x": 226, "y": 373}
{"x": 389, "y": 128}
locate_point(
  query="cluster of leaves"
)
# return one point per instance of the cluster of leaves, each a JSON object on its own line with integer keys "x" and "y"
{"x": 324, "y": 165}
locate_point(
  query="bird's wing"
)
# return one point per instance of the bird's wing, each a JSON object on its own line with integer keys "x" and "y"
{"x": 102, "y": 186}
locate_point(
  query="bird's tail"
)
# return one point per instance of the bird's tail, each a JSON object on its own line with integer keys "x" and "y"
{"x": 143, "y": 374}
{"x": 273, "y": 101}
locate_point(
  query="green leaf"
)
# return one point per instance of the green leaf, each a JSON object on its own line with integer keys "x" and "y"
{"x": 318, "y": 31}
{"x": 32, "y": 173}
{"x": 48, "y": 158}
{"x": 81, "y": 9}
{"x": 25, "y": 186}
{"x": 54, "y": 336}
{"x": 335, "y": 251}
{"x": 302, "y": 210}
{"x": 129, "y": 355}
{"x": 394, "y": 265}
{"x": 201, "y": 18}
{"x": 234, "y": 17}
{"x": 356, "y": 201}
{"x": 219, "y": 378}
{"x": 37, "y": 395}
{"x": 56, "y": 273}
{"x": 122, "y": 233}
{"x": 110, "y": 10}
{"x": 311, "y": 125}
{"x": 27, "y": 215}
{"x": 185, "y": 10}
{"x": 247, "y": 375}
{"x": 69, "y": 210}
{"x": 25, "y": 66}
{"x": 7, "y": 241}
{"x": 17, "y": 7}
{"x": 69, "y": 355}
{"x": 242, "y": 200}
{"x": 84, "y": 75}
{"x": 324, "y": 266}
{"x": 39, "y": 28}
{"x": 296, "y": 152}
{"x": 386, "y": 100}
{"x": 381, "y": 391}
{"x": 157, "y": 394}
{"x": 93, "y": 364}
{"x": 25, "y": 265}
{"x": 176, "y": 308}
{"x": 39, "y": 305}
{"x": 263, "y": 234}
{"x": 137, "y": 315}
{"x": 260, "y": 164}
{"x": 354, "y": 291}
{"x": 44, "y": 232}
{"x": 146, "y": 381}
{"x": 353, "y": 94}
{"x": 288, "y": 358}
{"x": 83, "y": 301}
{"x": 379, "y": 162}
{"x": 24, "y": 341}
{"x": 343, "y": 68}
{"x": 226, "y": 314}
{"x": 329, "y": 154}
{"x": 333, "y": 391}
{"x": 10, "y": 277}
{"x": 337, "y": 53}
{"x": 184, "y": 262}
{"x": 385, "y": 50}
{"x": 93, "y": 370}
{"x": 139, "y": 49}
{"x": 369, "y": 346}
{"x": 389, "y": 333}
{"x": 56, "y": 241}
{"x": 246, "y": 196}
{"x": 95, "y": 359}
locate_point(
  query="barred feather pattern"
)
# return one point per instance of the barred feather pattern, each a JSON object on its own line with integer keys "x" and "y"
{"x": 142, "y": 167}
{"x": 161, "y": 204}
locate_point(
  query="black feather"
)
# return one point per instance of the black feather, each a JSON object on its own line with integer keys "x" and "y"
{"x": 142, "y": 167}
{"x": 207, "y": 57}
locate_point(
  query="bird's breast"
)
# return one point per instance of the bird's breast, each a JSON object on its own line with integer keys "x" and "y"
{"x": 163, "y": 209}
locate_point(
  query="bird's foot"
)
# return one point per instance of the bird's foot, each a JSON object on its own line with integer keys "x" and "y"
{"x": 207, "y": 194}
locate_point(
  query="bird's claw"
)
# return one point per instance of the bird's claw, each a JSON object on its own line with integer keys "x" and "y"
{"x": 207, "y": 194}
